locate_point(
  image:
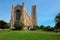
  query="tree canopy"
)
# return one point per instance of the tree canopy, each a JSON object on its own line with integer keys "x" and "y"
{"x": 3, "y": 24}
{"x": 57, "y": 20}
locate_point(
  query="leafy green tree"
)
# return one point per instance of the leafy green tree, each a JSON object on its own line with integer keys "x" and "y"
{"x": 2, "y": 24}
{"x": 7, "y": 26}
{"x": 52, "y": 29}
{"x": 35, "y": 27}
{"x": 47, "y": 28}
{"x": 42, "y": 27}
{"x": 57, "y": 26}
{"x": 57, "y": 18}
{"x": 19, "y": 26}
{"x": 57, "y": 21}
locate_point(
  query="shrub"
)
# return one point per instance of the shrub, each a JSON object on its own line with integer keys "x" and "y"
{"x": 18, "y": 26}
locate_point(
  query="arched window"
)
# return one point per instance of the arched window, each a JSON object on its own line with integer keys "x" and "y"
{"x": 18, "y": 14}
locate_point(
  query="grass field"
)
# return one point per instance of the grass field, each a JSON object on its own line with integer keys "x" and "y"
{"x": 29, "y": 35}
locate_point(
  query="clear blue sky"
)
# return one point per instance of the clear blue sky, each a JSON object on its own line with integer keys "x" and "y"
{"x": 46, "y": 10}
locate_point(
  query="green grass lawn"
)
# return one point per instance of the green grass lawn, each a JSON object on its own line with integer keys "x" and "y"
{"x": 29, "y": 35}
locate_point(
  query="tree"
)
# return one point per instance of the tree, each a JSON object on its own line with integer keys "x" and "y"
{"x": 47, "y": 28}
{"x": 57, "y": 18}
{"x": 19, "y": 26}
{"x": 7, "y": 26}
{"x": 52, "y": 29}
{"x": 57, "y": 21}
{"x": 35, "y": 27}
{"x": 42, "y": 27}
{"x": 2, "y": 24}
{"x": 57, "y": 26}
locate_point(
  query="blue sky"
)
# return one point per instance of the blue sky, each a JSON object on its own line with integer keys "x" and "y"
{"x": 46, "y": 10}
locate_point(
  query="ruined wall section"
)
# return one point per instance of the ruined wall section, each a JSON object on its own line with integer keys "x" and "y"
{"x": 27, "y": 19}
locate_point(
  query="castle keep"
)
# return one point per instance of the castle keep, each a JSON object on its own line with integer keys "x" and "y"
{"x": 20, "y": 14}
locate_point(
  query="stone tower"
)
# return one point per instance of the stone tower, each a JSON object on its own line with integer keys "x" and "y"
{"x": 34, "y": 16}
{"x": 12, "y": 18}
